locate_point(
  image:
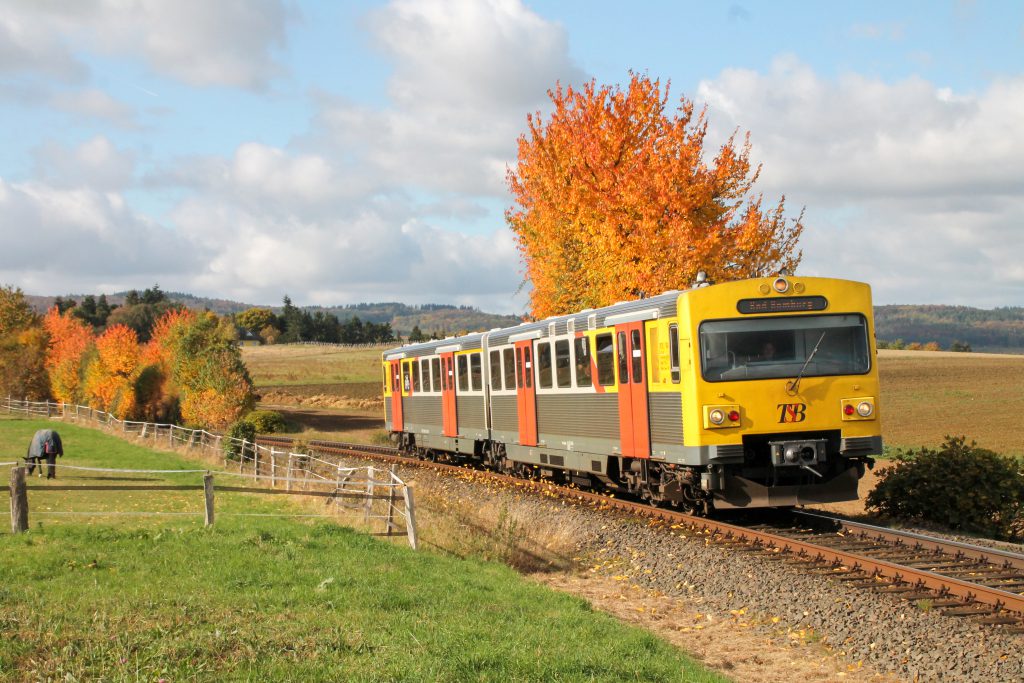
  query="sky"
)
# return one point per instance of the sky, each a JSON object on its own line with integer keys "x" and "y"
{"x": 356, "y": 151}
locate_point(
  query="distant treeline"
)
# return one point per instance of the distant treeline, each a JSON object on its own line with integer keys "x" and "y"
{"x": 955, "y": 328}
{"x": 295, "y": 324}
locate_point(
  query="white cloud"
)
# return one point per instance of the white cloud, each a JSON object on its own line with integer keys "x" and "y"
{"x": 95, "y": 164}
{"x": 908, "y": 185}
{"x": 198, "y": 42}
{"x": 466, "y": 74}
{"x": 81, "y": 237}
{"x": 30, "y": 42}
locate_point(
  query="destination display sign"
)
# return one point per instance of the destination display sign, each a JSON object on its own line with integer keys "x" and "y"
{"x": 789, "y": 304}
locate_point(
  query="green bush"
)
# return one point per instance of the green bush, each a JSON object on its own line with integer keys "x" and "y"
{"x": 266, "y": 421}
{"x": 959, "y": 486}
{"x": 233, "y": 446}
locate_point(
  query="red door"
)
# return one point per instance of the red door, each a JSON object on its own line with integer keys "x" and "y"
{"x": 526, "y": 394}
{"x": 634, "y": 421}
{"x": 397, "y": 423}
{"x": 448, "y": 417}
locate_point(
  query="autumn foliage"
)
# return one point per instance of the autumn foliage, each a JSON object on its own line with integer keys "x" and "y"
{"x": 110, "y": 378}
{"x": 190, "y": 370}
{"x": 615, "y": 200}
{"x": 23, "y": 345}
{"x": 71, "y": 340}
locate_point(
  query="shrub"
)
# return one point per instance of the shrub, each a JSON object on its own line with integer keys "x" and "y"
{"x": 266, "y": 421}
{"x": 232, "y": 440}
{"x": 959, "y": 486}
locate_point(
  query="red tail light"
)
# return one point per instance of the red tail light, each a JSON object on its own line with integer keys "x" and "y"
{"x": 849, "y": 409}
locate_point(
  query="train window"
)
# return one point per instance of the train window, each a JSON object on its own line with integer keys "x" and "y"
{"x": 581, "y": 347}
{"x": 623, "y": 359}
{"x": 519, "y": 368}
{"x": 385, "y": 369}
{"x": 784, "y": 347}
{"x": 604, "y": 351}
{"x": 406, "y": 381}
{"x": 636, "y": 351}
{"x": 463, "y": 373}
{"x": 673, "y": 351}
{"x": 425, "y": 373}
{"x": 528, "y": 367}
{"x": 476, "y": 374}
{"x": 510, "y": 368}
{"x": 416, "y": 377}
{"x": 544, "y": 365}
{"x": 435, "y": 373}
{"x": 495, "y": 357}
{"x": 563, "y": 364}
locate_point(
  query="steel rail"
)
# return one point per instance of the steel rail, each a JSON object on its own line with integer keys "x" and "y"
{"x": 993, "y": 598}
{"x": 922, "y": 542}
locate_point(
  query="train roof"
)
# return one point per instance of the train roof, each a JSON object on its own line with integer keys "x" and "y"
{"x": 662, "y": 305}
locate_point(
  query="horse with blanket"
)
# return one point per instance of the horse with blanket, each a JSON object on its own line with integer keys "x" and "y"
{"x": 45, "y": 445}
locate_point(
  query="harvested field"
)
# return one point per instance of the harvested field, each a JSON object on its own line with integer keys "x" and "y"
{"x": 927, "y": 395}
{"x": 294, "y": 364}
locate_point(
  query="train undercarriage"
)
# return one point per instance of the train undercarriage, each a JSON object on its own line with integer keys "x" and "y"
{"x": 769, "y": 473}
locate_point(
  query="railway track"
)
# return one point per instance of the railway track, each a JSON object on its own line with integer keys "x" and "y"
{"x": 961, "y": 580}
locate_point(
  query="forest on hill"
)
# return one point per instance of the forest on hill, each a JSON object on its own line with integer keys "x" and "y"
{"x": 999, "y": 330}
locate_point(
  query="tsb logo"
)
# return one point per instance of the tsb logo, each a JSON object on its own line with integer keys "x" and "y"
{"x": 792, "y": 412}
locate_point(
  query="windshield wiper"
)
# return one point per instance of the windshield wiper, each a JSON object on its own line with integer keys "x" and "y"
{"x": 795, "y": 384}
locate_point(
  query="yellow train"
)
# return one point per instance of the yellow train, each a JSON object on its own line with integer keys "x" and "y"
{"x": 760, "y": 392}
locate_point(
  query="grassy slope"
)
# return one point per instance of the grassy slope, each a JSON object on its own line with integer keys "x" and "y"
{"x": 263, "y": 598}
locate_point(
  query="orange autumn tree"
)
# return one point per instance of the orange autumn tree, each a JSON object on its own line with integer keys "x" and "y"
{"x": 70, "y": 341}
{"x": 156, "y": 393}
{"x": 616, "y": 200}
{"x": 111, "y": 374}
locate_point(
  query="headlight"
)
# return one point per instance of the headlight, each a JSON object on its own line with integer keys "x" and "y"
{"x": 861, "y": 408}
{"x": 722, "y": 416}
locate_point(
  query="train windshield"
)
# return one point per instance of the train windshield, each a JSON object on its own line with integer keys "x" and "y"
{"x": 767, "y": 348}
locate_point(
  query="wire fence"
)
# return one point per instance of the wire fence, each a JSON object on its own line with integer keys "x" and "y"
{"x": 377, "y": 494}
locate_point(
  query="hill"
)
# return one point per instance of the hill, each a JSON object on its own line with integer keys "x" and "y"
{"x": 1000, "y": 330}
{"x": 443, "y": 318}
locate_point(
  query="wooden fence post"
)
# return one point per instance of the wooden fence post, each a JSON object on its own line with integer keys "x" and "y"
{"x": 410, "y": 516}
{"x": 208, "y": 491}
{"x": 273, "y": 468}
{"x": 288, "y": 474}
{"x": 391, "y": 500}
{"x": 255, "y": 462}
{"x": 369, "y": 493}
{"x": 19, "y": 501}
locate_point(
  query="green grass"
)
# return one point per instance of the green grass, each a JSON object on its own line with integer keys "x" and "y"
{"x": 266, "y": 598}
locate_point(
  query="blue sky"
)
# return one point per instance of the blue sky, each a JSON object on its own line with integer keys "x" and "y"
{"x": 355, "y": 151}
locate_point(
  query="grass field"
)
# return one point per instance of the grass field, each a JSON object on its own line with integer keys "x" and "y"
{"x": 289, "y": 365}
{"x": 270, "y": 598}
{"x": 925, "y": 395}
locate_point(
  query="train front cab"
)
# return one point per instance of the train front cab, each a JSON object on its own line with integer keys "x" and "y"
{"x": 781, "y": 390}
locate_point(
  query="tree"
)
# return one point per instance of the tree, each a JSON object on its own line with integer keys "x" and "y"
{"x": 70, "y": 341}
{"x": 416, "y": 335}
{"x": 254, "y": 320}
{"x": 23, "y": 345}
{"x": 615, "y": 201}
{"x": 15, "y": 311}
{"x": 111, "y": 374}
{"x": 207, "y": 369}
